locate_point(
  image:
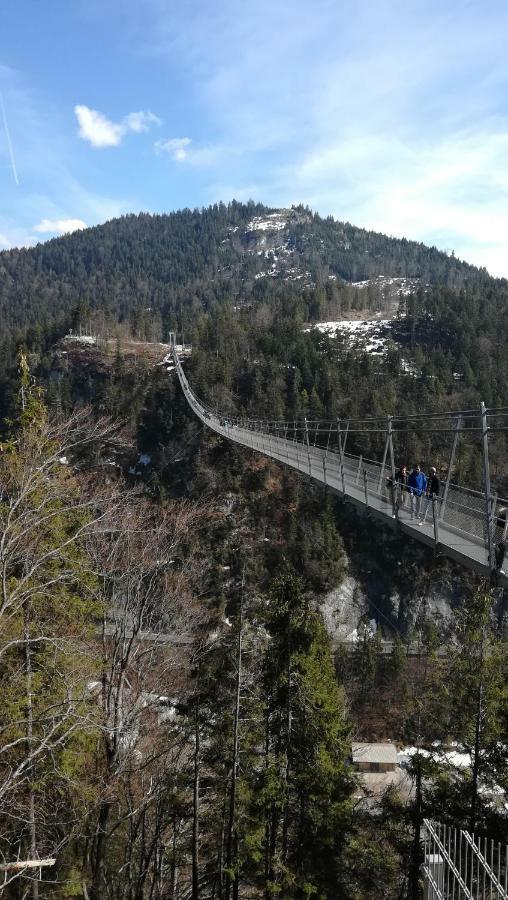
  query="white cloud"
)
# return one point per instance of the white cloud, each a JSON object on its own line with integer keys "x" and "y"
{"x": 13, "y": 236}
{"x": 176, "y": 147}
{"x": 180, "y": 150}
{"x": 51, "y": 186}
{"x": 96, "y": 128}
{"x": 141, "y": 121}
{"x": 59, "y": 226}
{"x": 450, "y": 191}
{"x": 100, "y": 131}
{"x": 393, "y": 121}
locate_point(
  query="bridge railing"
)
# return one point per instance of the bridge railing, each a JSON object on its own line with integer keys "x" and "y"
{"x": 475, "y": 515}
{"x": 462, "y": 865}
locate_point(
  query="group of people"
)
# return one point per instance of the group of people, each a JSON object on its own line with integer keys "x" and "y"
{"x": 415, "y": 485}
{"x": 422, "y": 491}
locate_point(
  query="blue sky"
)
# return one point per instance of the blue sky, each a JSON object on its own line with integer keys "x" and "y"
{"x": 392, "y": 115}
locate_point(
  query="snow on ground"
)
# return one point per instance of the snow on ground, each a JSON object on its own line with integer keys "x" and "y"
{"x": 408, "y": 368}
{"x": 272, "y": 222}
{"x": 403, "y": 286}
{"x": 452, "y": 757}
{"x": 456, "y": 758}
{"x": 167, "y": 362}
{"x": 81, "y": 338}
{"x": 289, "y": 274}
{"x": 351, "y": 327}
{"x": 370, "y": 334}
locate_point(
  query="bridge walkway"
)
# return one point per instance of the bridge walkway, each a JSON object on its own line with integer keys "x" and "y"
{"x": 454, "y": 526}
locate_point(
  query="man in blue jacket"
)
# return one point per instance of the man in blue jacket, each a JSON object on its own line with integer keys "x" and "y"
{"x": 417, "y": 485}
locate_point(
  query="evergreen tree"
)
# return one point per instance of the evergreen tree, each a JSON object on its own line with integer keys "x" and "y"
{"x": 305, "y": 784}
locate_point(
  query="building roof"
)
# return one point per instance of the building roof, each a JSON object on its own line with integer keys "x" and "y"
{"x": 375, "y": 753}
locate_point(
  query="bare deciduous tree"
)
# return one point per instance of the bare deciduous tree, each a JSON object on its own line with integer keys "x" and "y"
{"x": 47, "y": 615}
{"x": 148, "y": 581}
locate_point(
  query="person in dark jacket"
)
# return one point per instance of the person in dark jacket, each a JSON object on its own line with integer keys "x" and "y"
{"x": 433, "y": 488}
{"x": 399, "y": 486}
{"x": 417, "y": 485}
{"x": 401, "y": 478}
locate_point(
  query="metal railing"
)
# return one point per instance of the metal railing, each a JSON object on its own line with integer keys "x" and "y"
{"x": 461, "y": 865}
{"x": 319, "y": 449}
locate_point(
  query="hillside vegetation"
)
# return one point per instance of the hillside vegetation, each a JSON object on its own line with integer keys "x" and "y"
{"x": 177, "y": 721}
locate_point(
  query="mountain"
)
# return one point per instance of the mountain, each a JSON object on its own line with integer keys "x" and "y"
{"x": 159, "y": 261}
{"x": 151, "y": 274}
{"x": 256, "y": 557}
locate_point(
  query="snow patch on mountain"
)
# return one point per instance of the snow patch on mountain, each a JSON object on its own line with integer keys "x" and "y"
{"x": 273, "y": 222}
{"x": 403, "y": 286}
{"x": 372, "y": 335}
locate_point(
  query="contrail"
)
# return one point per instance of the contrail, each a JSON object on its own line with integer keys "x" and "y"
{"x": 9, "y": 142}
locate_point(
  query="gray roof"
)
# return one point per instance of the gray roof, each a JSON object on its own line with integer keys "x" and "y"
{"x": 375, "y": 753}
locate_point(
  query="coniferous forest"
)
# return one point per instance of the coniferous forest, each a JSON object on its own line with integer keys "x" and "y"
{"x": 179, "y": 702}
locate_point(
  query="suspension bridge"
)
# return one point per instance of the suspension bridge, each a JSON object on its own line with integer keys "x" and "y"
{"x": 462, "y": 524}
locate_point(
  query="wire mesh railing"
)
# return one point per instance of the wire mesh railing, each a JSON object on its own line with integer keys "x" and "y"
{"x": 319, "y": 449}
{"x": 462, "y": 865}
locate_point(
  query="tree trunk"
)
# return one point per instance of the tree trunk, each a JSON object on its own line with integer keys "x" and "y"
{"x": 232, "y": 836}
{"x": 267, "y": 808}
{"x": 96, "y": 892}
{"x": 477, "y": 739}
{"x": 286, "y": 770}
{"x": 219, "y": 878}
{"x": 29, "y": 734}
{"x": 414, "y": 872}
{"x": 195, "y": 819}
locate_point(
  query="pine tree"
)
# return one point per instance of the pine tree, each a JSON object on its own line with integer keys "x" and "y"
{"x": 479, "y": 701}
{"x": 305, "y": 785}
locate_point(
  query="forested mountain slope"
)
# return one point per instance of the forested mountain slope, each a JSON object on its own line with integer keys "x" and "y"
{"x": 257, "y": 559}
{"x": 159, "y": 273}
{"x": 136, "y": 260}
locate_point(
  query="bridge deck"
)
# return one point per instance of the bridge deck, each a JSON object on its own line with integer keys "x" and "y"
{"x": 455, "y": 528}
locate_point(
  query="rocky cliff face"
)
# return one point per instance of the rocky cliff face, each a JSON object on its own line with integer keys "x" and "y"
{"x": 391, "y": 583}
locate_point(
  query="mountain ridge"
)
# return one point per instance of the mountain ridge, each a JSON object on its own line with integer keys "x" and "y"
{"x": 169, "y": 262}
{"x": 153, "y": 274}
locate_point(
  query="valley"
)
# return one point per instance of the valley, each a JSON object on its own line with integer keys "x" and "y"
{"x": 208, "y": 595}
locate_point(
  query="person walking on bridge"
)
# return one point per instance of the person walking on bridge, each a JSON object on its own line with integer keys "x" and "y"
{"x": 433, "y": 487}
{"x": 401, "y": 477}
{"x": 417, "y": 484}
{"x": 398, "y": 488}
